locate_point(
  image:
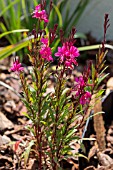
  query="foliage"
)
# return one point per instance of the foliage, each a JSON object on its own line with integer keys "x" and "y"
{"x": 54, "y": 115}
{"x": 14, "y": 15}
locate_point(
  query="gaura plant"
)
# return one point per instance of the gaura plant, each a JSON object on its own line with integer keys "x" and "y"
{"x": 54, "y": 115}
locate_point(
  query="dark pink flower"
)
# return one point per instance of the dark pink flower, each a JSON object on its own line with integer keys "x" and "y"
{"x": 45, "y": 50}
{"x": 46, "y": 53}
{"x": 67, "y": 54}
{"x": 85, "y": 98}
{"x": 79, "y": 86}
{"x": 17, "y": 67}
{"x": 80, "y": 90}
{"x": 40, "y": 14}
{"x": 80, "y": 81}
{"x": 44, "y": 41}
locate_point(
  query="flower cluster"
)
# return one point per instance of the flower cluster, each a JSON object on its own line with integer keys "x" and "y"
{"x": 40, "y": 14}
{"x": 81, "y": 84}
{"x": 67, "y": 54}
{"x": 45, "y": 50}
{"x": 17, "y": 67}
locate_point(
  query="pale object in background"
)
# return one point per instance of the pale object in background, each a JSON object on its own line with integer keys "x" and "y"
{"x": 92, "y": 19}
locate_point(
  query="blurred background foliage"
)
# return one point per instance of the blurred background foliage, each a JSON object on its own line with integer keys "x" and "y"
{"x": 16, "y": 21}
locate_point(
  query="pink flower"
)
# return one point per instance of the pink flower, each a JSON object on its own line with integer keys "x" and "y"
{"x": 80, "y": 81}
{"x": 41, "y": 15}
{"x": 17, "y": 67}
{"x": 44, "y": 41}
{"x": 67, "y": 54}
{"x": 80, "y": 90}
{"x": 85, "y": 98}
{"x": 46, "y": 53}
{"x": 45, "y": 50}
{"x": 79, "y": 86}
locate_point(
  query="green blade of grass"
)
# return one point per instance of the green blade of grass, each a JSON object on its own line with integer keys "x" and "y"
{"x": 59, "y": 15}
{"x": 13, "y": 31}
{"x": 7, "y": 51}
{"x": 4, "y": 29}
{"x": 24, "y": 10}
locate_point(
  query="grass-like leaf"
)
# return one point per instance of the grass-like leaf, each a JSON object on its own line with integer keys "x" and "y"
{"x": 13, "y": 31}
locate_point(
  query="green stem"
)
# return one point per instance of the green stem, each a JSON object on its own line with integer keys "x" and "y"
{"x": 39, "y": 84}
{"x": 60, "y": 80}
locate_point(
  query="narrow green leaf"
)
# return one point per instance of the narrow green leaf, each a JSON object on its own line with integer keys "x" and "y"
{"x": 26, "y": 115}
{"x": 70, "y": 133}
{"x": 59, "y": 15}
{"x": 102, "y": 78}
{"x": 13, "y": 31}
{"x": 93, "y": 72}
{"x": 4, "y": 29}
{"x": 27, "y": 151}
{"x": 7, "y": 51}
{"x": 24, "y": 10}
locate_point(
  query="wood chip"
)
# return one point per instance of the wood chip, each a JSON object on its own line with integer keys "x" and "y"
{"x": 5, "y": 123}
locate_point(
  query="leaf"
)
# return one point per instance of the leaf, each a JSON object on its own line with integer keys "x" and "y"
{"x": 103, "y": 71}
{"x": 7, "y": 51}
{"x": 70, "y": 133}
{"x": 70, "y": 139}
{"x": 27, "y": 151}
{"x": 64, "y": 114}
{"x": 66, "y": 149}
{"x": 26, "y": 115}
{"x": 93, "y": 72}
{"x": 4, "y": 29}
{"x": 81, "y": 155}
{"x": 52, "y": 113}
{"x": 102, "y": 78}
{"x": 13, "y": 31}
{"x": 100, "y": 92}
{"x": 28, "y": 106}
{"x": 59, "y": 15}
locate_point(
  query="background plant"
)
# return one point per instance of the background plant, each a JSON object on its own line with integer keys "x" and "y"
{"x": 22, "y": 22}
